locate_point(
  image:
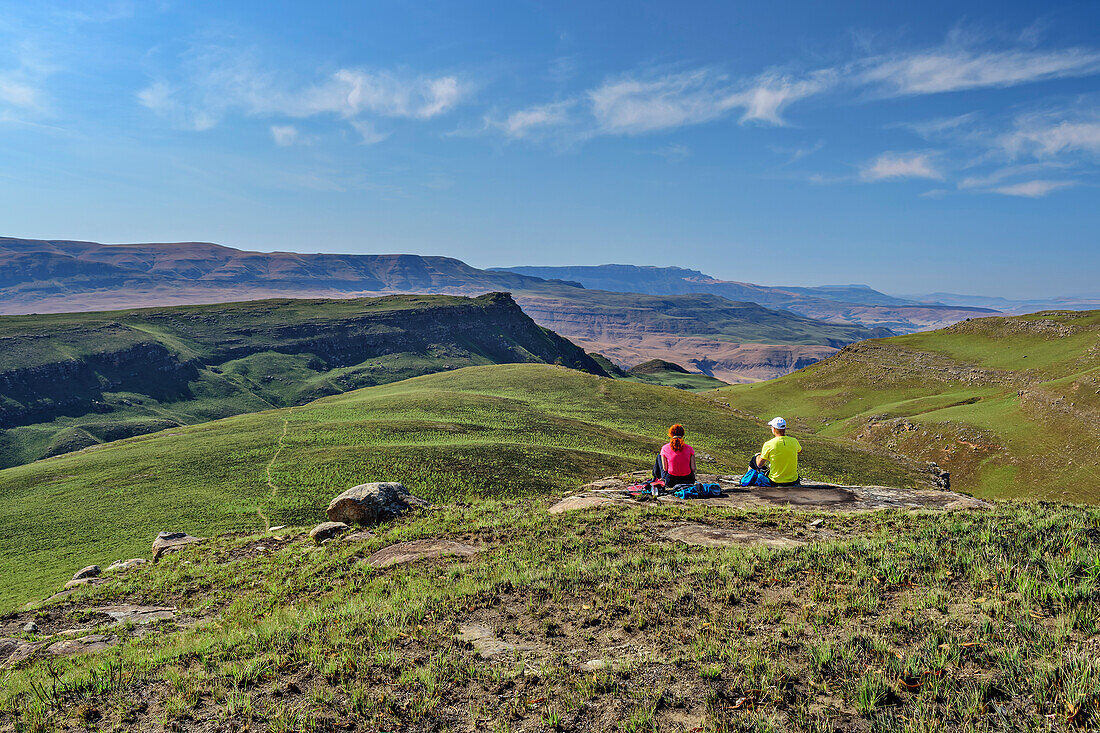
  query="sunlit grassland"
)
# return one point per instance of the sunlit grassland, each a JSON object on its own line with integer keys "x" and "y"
{"x": 1028, "y": 386}
{"x": 895, "y": 621}
{"x": 497, "y": 431}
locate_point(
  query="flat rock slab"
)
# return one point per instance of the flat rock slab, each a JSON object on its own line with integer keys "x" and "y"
{"x": 405, "y": 552}
{"x": 612, "y": 491}
{"x": 13, "y": 651}
{"x": 83, "y": 645}
{"x": 706, "y": 536}
{"x": 484, "y": 641}
{"x": 136, "y": 614}
{"x": 172, "y": 542}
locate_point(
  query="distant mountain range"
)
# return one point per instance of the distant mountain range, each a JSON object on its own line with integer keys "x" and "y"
{"x": 1006, "y": 305}
{"x": 733, "y": 331}
{"x": 857, "y": 304}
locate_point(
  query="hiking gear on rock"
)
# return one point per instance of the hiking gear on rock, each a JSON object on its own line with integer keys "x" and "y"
{"x": 781, "y": 453}
{"x": 755, "y": 477}
{"x": 778, "y": 423}
{"x": 699, "y": 491}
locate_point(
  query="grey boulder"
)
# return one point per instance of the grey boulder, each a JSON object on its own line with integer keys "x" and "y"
{"x": 125, "y": 564}
{"x": 171, "y": 542}
{"x": 372, "y": 503}
{"x": 327, "y": 531}
{"x": 92, "y": 571}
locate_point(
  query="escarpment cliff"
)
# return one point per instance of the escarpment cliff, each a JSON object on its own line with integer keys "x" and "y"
{"x": 71, "y": 380}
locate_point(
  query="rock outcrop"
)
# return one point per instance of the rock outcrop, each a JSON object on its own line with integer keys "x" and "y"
{"x": 167, "y": 542}
{"x": 327, "y": 531}
{"x": 404, "y": 552}
{"x": 369, "y": 504}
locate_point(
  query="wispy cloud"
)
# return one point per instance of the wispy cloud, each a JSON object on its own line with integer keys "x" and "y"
{"x": 1050, "y": 134}
{"x": 893, "y": 166}
{"x": 284, "y": 135}
{"x": 532, "y": 120}
{"x": 956, "y": 69}
{"x": 1033, "y": 189}
{"x": 646, "y": 103}
{"x": 216, "y": 82}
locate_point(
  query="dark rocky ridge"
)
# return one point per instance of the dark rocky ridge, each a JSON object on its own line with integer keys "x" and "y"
{"x": 77, "y": 379}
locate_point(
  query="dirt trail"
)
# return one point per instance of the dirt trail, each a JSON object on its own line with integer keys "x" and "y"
{"x": 267, "y": 472}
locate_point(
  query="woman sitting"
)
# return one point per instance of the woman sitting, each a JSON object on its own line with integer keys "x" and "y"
{"x": 676, "y": 462}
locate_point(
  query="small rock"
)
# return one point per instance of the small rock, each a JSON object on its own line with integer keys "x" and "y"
{"x": 327, "y": 530}
{"x": 276, "y": 528}
{"x": 595, "y": 665}
{"x": 92, "y": 571}
{"x": 123, "y": 565}
{"x": 405, "y": 552}
{"x": 360, "y": 535}
{"x": 815, "y": 523}
{"x": 30, "y": 628}
{"x": 372, "y": 503}
{"x": 16, "y": 650}
{"x": 84, "y": 581}
{"x": 484, "y": 640}
{"x": 83, "y": 645}
{"x": 171, "y": 542}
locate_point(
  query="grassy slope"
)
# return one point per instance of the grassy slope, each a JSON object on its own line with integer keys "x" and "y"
{"x": 495, "y": 431}
{"x": 889, "y": 622}
{"x": 238, "y": 358}
{"x": 1009, "y": 405}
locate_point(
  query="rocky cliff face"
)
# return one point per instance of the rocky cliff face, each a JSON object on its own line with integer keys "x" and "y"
{"x": 121, "y": 373}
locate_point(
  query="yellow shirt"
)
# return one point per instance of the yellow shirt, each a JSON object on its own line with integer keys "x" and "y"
{"x": 781, "y": 453}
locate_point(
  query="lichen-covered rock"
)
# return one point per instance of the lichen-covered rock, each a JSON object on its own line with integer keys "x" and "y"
{"x": 92, "y": 571}
{"x": 123, "y": 565}
{"x": 412, "y": 550}
{"x": 372, "y": 503}
{"x": 171, "y": 542}
{"x": 327, "y": 531}
{"x": 16, "y": 650}
{"x": 84, "y": 581}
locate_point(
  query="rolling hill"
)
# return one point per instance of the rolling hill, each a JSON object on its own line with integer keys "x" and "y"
{"x": 1010, "y": 405}
{"x": 852, "y": 304}
{"x": 72, "y": 380}
{"x": 479, "y": 432}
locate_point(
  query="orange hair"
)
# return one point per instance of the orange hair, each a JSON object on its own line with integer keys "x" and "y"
{"x": 676, "y": 433}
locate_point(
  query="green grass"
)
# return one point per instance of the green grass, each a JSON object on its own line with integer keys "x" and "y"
{"x": 893, "y": 621}
{"x": 1008, "y": 405}
{"x": 475, "y": 433}
{"x": 75, "y": 379}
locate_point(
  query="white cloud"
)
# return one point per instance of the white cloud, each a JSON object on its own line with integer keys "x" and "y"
{"x": 1033, "y": 189}
{"x": 633, "y": 105}
{"x": 284, "y": 135}
{"x": 892, "y": 166}
{"x": 368, "y": 135}
{"x": 1050, "y": 135}
{"x": 955, "y": 69}
{"x": 216, "y": 82}
{"x": 524, "y": 122}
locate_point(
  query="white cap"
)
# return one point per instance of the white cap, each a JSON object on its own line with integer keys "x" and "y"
{"x": 778, "y": 423}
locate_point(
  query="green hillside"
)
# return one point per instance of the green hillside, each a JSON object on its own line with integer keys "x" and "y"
{"x": 479, "y": 432}
{"x": 72, "y": 380}
{"x": 1011, "y": 406}
{"x": 668, "y": 374}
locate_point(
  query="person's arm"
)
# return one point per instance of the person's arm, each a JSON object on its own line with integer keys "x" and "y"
{"x": 664, "y": 462}
{"x": 693, "y": 463}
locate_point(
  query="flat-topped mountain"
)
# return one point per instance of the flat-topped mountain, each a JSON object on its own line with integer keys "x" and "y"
{"x": 72, "y": 380}
{"x": 855, "y": 304}
{"x": 730, "y": 339}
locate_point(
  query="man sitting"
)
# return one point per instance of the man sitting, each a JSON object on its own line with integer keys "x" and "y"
{"x": 779, "y": 456}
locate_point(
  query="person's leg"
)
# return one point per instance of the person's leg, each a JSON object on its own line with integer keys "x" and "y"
{"x": 658, "y": 468}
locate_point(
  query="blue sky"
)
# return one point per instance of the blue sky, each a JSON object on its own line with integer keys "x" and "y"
{"x": 939, "y": 147}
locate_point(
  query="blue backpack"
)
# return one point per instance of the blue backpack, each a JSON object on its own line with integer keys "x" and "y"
{"x": 753, "y": 477}
{"x": 699, "y": 491}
